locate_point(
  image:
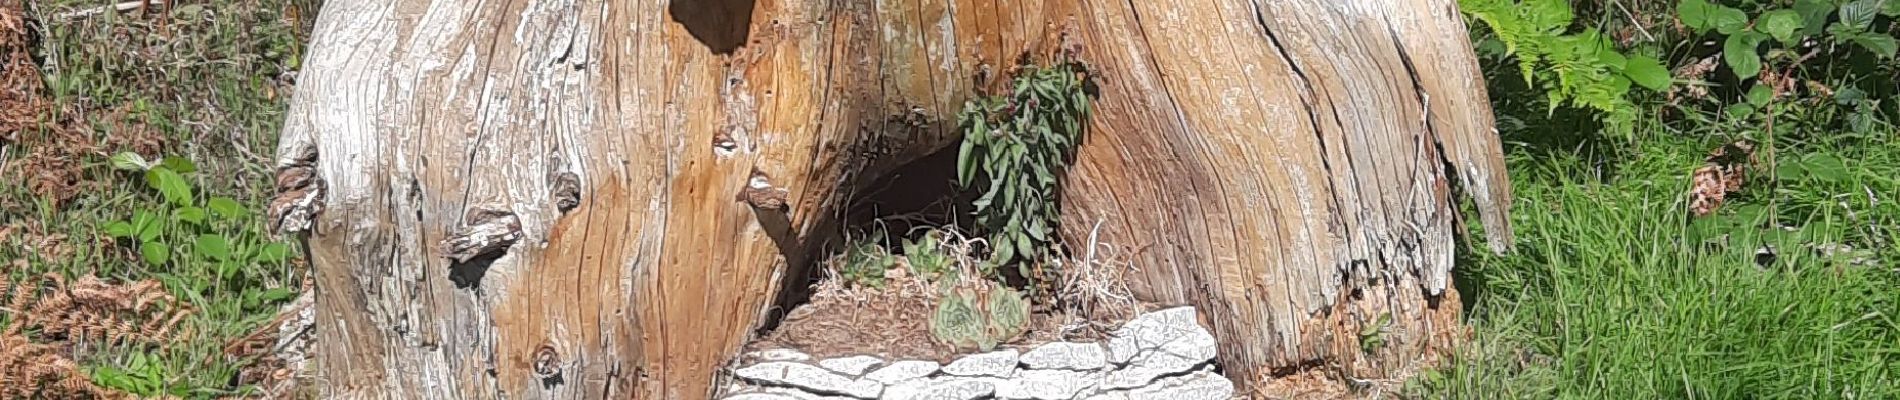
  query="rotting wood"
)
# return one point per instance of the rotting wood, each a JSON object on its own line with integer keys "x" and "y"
{"x": 1286, "y": 166}
{"x": 299, "y": 192}
{"x": 567, "y": 191}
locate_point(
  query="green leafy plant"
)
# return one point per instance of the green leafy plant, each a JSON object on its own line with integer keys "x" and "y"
{"x": 864, "y": 264}
{"x": 979, "y": 315}
{"x": 1372, "y": 335}
{"x": 1582, "y": 69}
{"x": 1769, "y": 43}
{"x": 142, "y": 376}
{"x": 1015, "y": 148}
{"x": 182, "y": 228}
{"x": 927, "y": 257}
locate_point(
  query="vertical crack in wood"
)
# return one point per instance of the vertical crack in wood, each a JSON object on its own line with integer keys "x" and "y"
{"x": 1310, "y": 94}
{"x": 1437, "y": 274}
{"x": 1467, "y": 149}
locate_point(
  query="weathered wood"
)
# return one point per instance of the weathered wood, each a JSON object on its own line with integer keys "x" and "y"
{"x": 1276, "y": 162}
{"x": 1284, "y": 166}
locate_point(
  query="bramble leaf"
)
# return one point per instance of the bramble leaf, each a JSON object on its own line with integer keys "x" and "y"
{"x": 1647, "y": 72}
{"x": 129, "y": 161}
{"x": 1781, "y": 24}
{"x": 1882, "y": 46}
{"x": 155, "y": 253}
{"x": 225, "y": 207}
{"x": 169, "y": 184}
{"x": 214, "y": 246}
{"x": 1739, "y": 51}
{"x": 179, "y": 165}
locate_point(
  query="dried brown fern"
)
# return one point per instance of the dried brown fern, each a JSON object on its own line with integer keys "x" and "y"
{"x": 89, "y": 309}
{"x": 37, "y": 371}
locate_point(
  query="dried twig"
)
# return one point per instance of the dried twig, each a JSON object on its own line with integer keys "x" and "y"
{"x": 1095, "y": 288}
{"x": 1633, "y": 21}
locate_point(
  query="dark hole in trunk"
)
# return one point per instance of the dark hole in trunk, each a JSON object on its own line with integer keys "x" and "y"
{"x": 898, "y": 204}
{"x": 722, "y": 25}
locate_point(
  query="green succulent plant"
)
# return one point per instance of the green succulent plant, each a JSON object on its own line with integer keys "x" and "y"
{"x": 979, "y": 317}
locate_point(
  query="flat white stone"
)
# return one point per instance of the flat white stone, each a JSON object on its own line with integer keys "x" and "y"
{"x": 1203, "y": 385}
{"x": 853, "y": 365}
{"x": 1047, "y": 384}
{"x": 902, "y": 371}
{"x": 1121, "y": 349}
{"x": 1143, "y": 371}
{"x": 760, "y": 396}
{"x": 997, "y": 363}
{"x": 809, "y": 378}
{"x": 1198, "y": 345}
{"x": 781, "y": 393}
{"x": 779, "y": 355}
{"x": 1065, "y": 355}
{"x": 945, "y": 388}
{"x": 1156, "y": 330}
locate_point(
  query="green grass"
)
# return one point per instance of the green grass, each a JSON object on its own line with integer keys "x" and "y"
{"x": 211, "y": 81}
{"x": 1616, "y": 292}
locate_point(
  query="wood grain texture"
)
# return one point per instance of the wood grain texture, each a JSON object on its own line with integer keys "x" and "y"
{"x": 421, "y": 110}
{"x": 1285, "y": 165}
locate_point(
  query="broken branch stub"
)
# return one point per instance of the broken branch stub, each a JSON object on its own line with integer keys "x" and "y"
{"x": 484, "y": 232}
{"x": 547, "y": 362}
{"x": 760, "y": 194}
{"x": 567, "y": 191}
{"x": 299, "y": 193}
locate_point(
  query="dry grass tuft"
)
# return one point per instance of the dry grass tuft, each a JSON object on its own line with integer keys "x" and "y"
{"x": 1093, "y": 294}
{"x": 31, "y": 370}
{"x": 839, "y": 321}
{"x": 20, "y": 102}
{"x": 34, "y": 239}
{"x": 52, "y": 167}
{"x": 89, "y": 309}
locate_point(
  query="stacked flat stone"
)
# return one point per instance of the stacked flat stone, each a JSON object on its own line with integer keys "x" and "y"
{"x": 1158, "y": 355}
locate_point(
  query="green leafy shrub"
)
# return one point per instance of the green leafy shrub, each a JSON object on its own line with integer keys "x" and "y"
{"x": 1015, "y": 148}
{"x": 1840, "y": 48}
{"x": 1821, "y": 52}
{"x": 1582, "y": 69}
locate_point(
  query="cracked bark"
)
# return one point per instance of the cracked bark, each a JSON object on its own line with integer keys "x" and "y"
{"x": 1286, "y": 166}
